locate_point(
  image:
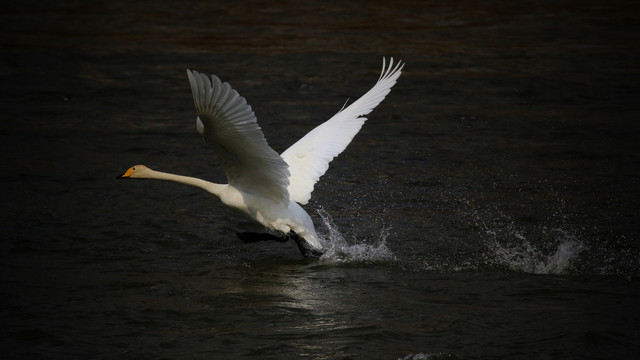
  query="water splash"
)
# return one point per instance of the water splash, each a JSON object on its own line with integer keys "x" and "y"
{"x": 525, "y": 257}
{"x": 418, "y": 356}
{"x": 339, "y": 249}
{"x": 552, "y": 251}
{"x": 423, "y": 356}
{"x": 549, "y": 242}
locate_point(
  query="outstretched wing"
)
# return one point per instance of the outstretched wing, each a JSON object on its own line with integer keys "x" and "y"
{"x": 229, "y": 126}
{"x": 309, "y": 158}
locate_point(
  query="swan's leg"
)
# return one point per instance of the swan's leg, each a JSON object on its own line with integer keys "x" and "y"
{"x": 251, "y": 237}
{"x": 302, "y": 245}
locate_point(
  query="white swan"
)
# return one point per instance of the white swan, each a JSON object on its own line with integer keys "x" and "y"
{"x": 262, "y": 184}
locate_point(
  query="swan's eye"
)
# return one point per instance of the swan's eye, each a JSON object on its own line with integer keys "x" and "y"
{"x": 134, "y": 169}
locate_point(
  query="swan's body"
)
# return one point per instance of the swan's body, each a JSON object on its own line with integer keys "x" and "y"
{"x": 262, "y": 184}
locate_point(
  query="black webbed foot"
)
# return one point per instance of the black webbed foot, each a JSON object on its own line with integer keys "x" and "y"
{"x": 253, "y": 237}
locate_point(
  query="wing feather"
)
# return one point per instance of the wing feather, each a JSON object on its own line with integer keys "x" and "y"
{"x": 229, "y": 126}
{"x": 309, "y": 158}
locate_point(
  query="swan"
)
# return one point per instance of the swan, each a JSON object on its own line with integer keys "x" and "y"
{"x": 262, "y": 184}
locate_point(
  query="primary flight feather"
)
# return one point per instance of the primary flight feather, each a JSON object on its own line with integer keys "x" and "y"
{"x": 264, "y": 185}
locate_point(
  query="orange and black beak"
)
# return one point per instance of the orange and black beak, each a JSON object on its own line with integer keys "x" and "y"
{"x": 126, "y": 175}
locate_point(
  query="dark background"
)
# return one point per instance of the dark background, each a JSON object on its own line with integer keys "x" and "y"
{"x": 510, "y": 122}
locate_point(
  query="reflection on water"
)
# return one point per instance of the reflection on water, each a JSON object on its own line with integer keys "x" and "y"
{"x": 487, "y": 209}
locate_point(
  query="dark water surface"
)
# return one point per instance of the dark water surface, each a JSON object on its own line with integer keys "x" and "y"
{"x": 487, "y": 210}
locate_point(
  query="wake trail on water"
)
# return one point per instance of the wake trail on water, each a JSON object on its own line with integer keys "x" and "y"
{"x": 340, "y": 250}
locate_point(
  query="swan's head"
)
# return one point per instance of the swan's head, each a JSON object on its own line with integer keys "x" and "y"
{"x": 135, "y": 172}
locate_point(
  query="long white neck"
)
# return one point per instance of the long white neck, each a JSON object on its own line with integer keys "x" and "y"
{"x": 213, "y": 188}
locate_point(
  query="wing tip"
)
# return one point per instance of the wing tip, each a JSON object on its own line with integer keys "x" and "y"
{"x": 191, "y": 77}
{"x": 390, "y": 70}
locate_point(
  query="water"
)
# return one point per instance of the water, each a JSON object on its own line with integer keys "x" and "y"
{"x": 488, "y": 209}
